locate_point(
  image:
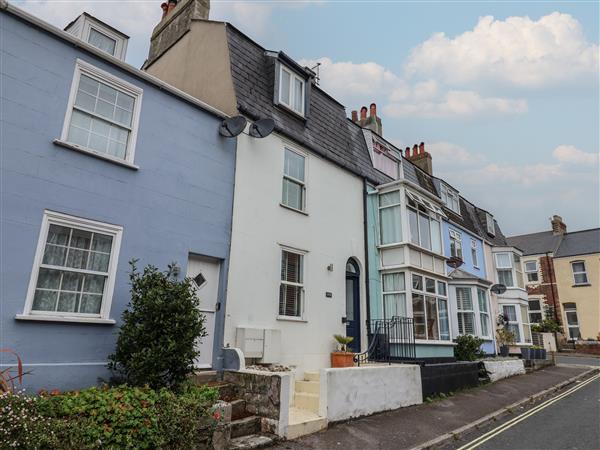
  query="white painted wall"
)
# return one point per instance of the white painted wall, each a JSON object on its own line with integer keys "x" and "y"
{"x": 331, "y": 232}
{"x": 360, "y": 391}
{"x": 498, "y": 370}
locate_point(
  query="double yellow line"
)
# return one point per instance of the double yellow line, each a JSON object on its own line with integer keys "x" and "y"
{"x": 505, "y": 426}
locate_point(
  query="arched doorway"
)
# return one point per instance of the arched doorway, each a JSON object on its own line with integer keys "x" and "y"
{"x": 353, "y": 303}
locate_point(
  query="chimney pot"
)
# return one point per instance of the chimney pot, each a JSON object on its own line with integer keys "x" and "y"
{"x": 363, "y": 113}
{"x": 415, "y": 150}
{"x": 407, "y": 152}
{"x": 421, "y": 148}
{"x": 172, "y": 5}
{"x": 164, "y": 8}
{"x": 373, "y": 110}
{"x": 354, "y": 116}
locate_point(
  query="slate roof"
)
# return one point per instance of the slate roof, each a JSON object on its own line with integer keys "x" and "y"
{"x": 536, "y": 243}
{"x": 579, "y": 243}
{"x": 327, "y": 131}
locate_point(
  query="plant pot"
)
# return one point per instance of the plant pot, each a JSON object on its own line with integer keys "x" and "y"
{"x": 504, "y": 350}
{"x": 543, "y": 353}
{"x": 342, "y": 359}
{"x": 526, "y": 353}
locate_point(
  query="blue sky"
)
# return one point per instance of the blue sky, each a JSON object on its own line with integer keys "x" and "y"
{"x": 504, "y": 94}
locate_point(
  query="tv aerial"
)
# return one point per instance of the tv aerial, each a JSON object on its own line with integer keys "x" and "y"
{"x": 262, "y": 128}
{"x": 232, "y": 126}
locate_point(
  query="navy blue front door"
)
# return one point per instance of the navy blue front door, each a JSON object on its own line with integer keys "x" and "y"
{"x": 353, "y": 304}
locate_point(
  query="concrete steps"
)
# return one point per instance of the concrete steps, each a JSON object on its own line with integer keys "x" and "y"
{"x": 304, "y": 415}
{"x": 251, "y": 441}
{"x": 303, "y": 422}
{"x": 245, "y": 426}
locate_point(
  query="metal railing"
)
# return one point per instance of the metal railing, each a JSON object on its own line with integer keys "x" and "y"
{"x": 390, "y": 340}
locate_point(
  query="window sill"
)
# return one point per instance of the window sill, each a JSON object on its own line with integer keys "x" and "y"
{"x": 432, "y": 342}
{"x": 293, "y": 209}
{"x": 582, "y": 285}
{"x": 42, "y": 318}
{"x": 95, "y": 154}
{"x": 289, "y": 110}
{"x": 292, "y": 319}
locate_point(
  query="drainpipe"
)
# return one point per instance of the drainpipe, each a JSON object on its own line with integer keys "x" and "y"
{"x": 366, "y": 233}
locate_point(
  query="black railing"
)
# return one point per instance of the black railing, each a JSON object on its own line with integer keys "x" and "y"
{"x": 390, "y": 340}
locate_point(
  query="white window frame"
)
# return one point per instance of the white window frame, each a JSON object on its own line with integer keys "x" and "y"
{"x": 572, "y": 309}
{"x": 56, "y": 218}
{"x": 460, "y": 312}
{"x": 380, "y": 208}
{"x": 474, "y": 253}
{"x": 584, "y": 272}
{"x": 534, "y": 271}
{"x": 438, "y": 297}
{"x": 301, "y": 285}
{"x": 434, "y": 214}
{"x": 392, "y": 293}
{"x": 84, "y": 68}
{"x": 120, "y": 41}
{"x": 451, "y": 199}
{"x": 485, "y": 313}
{"x": 521, "y": 325}
{"x": 302, "y": 184}
{"x": 535, "y": 311}
{"x": 293, "y": 77}
{"x": 456, "y": 238}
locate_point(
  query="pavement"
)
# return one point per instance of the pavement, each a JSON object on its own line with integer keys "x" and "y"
{"x": 578, "y": 359}
{"x": 568, "y": 423}
{"x": 411, "y": 427}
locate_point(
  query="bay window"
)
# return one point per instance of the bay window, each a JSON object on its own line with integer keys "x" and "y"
{"x": 465, "y": 313}
{"x": 430, "y": 309}
{"x": 394, "y": 295}
{"x": 508, "y": 269}
{"x": 424, "y": 223}
{"x": 389, "y": 218}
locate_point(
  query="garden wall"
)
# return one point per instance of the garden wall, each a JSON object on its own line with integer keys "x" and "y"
{"x": 589, "y": 347}
{"x": 448, "y": 377}
{"x": 267, "y": 394}
{"x": 500, "y": 369}
{"x": 360, "y": 391}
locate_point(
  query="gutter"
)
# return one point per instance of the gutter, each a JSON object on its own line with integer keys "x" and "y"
{"x": 76, "y": 42}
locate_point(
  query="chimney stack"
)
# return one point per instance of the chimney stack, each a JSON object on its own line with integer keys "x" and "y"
{"x": 420, "y": 157}
{"x": 372, "y": 122}
{"x": 558, "y": 226}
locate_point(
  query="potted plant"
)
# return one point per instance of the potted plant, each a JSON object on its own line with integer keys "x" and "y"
{"x": 505, "y": 338}
{"x": 342, "y": 357}
{"x": 527, "y": 352}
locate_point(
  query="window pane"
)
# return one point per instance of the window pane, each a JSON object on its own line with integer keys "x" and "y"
{"x": 389, "y": 198}
{"x": 85, "y": 101}
{"x": 98, "y": 262}
{"x": 72, "y": 281}
{"x": 290, "y": 298}
{"x": 393, "y": 282}
{"x": 54, "y": 255}
{"x": 294, "y": 165}
{"x": 414, "y": 227}
{"x": 102, "y": 41}
{"x": 44, "y": 300}
{"x": 509, "y": 313}
{"x": 515, "y": 329}
{"x": 581, "y": 278}
{"x": 424, "y": 231}
{"x": 503, "y": 260}
{"x": 443, "y": 314}
{"x": 485, "y": 324}
{"x": 430, "y": 285}
{"x": 463, "y": 299}
{"x": 482, "y": 299}
{"x": 291, "y": 267}
{"x": 58, "y": 235}
{"x": 48, "y": 279}
{"x": 466, "y": 323}
{"x": 68, "y": 302}
{"x": 102, "y": 243}
{"x": 395, "y": 305}
{"x": 391, "y": 230}
{"x": 572, "y": 318}
{"x": 530, "y": 266}
{"x": 90, "y": 304}
{"x": 578, "y": 267}
{"x": 292, "y": 194}
{"x": 417, "y": 282}
{"x": 432, "y": 318}
{"x": 441, "y": 288}
{"x": 535, "y": 317}
{"x": 94, "y": 284}
{"x": 418, "y": 304}
{"x": 534, "y": 305}
{"x": 77, "y": 259}
{"x": 505, "y": 277}
{"x": 284, "y": 87}
{"x": 574, "y": 333}
{"x": 436, "y": 239}
{"x": 298, "y": 95}
{"x": 532, "y": 276}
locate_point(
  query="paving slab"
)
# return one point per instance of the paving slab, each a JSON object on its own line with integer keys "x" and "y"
{"x": 408, "y": 427}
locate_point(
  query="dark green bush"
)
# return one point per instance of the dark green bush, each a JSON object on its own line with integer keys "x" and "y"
{"x": 468, "y": 348}
{"x": 547, "y": 325}
{"x": 157, "y": 342}
{"x": 111, "y": 418}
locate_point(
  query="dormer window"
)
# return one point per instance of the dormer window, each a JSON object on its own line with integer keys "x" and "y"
{"x": 99, "y": 34}
{"x": 292, "y": 90}
{"x": 489, "y": 223}
{"x": 450, "y": 199}
{"x": 384, "y": 160}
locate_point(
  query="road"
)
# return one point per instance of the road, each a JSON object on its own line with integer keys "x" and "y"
{"x": 578, "y": 360}
{"x": 570, "y": 422}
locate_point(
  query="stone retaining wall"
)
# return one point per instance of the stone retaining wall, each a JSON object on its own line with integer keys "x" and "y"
{"x": 499, "y": 369}
{"x": 589, "y": 347}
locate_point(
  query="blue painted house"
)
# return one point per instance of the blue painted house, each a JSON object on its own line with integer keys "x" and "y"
{"x": 101, "y": 163}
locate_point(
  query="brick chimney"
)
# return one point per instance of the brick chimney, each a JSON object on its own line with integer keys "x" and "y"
{"x": 177, "y": 16}
{"x": 372, "y": 122}
{"x": 420, "y": 157}
{"x": 558, "y": 226}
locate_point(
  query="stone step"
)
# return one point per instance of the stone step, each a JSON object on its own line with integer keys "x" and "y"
{"x": 311, "y": 376}
{"x": 251, "y": 441}
{"x": 245, "y": 426}
{"x": 304, "y": 422}
{"x": 238, "y": 409}
{"x": 308, "y": 387}
{"x": 204, "y": 376}
{"x": 309, "y": 402}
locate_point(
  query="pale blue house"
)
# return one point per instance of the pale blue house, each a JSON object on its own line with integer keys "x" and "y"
{"x": 101, "y": 163}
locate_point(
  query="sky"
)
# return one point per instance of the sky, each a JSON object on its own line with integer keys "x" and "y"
{"x": 505, "y": 94}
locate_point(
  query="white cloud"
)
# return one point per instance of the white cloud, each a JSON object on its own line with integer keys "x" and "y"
{"x": 518, "y": 50}
{"x": 569, "y": 154}
{"x": 449, "y": 153}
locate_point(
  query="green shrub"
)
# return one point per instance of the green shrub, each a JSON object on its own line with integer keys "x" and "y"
{"x": 157, "y": 343}
{"x": 468, "y": 348}
{"x": 120, "y": 417}
{"x": 547, "y": 325}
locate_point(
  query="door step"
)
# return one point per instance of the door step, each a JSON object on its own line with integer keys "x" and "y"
{"x": 251, "y": 441}
{"x": 303, "y": 422}
{"x": 245, "y": 426}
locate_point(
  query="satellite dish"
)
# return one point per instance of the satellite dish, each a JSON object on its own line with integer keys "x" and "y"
{"x": 232, "y": 126}
{"x": 262, "y": 128}
{"x": 454, "y": 262}
{"x": 498, "y": 289}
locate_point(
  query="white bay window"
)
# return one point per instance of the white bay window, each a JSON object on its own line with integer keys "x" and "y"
{"x": 430, "y": 309}
{"x": 389, "y": 218}
{"x": 424, "y": 223}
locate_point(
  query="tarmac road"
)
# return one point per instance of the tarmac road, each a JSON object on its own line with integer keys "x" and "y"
{"x": 569, "y": 423}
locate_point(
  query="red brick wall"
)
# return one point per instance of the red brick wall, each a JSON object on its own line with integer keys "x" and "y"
{"x": 547, "y": 287}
